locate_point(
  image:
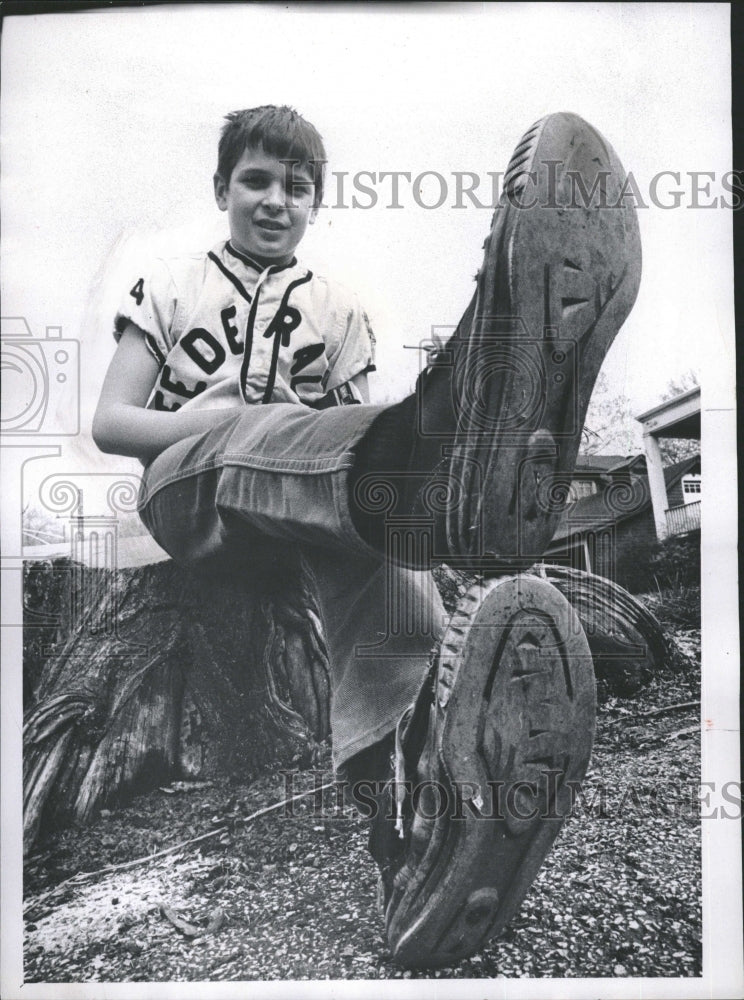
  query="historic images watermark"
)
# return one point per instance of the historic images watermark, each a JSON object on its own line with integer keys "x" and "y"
{"x": 328, "y": 797}
{"x": 554, "y": 185}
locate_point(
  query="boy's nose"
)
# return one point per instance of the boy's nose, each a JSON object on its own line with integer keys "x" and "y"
{"x": 274, "y": 196}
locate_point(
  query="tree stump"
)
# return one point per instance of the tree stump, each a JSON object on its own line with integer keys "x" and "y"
{"x": 135, "y": 677}
{"x": 627, "y": 641}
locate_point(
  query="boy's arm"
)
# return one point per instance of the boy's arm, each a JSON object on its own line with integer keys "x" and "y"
{"x": 122, "y": 425}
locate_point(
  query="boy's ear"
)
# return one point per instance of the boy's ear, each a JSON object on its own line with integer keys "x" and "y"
{"x": 220, "y": 192}
{"x": 313, "y": 214}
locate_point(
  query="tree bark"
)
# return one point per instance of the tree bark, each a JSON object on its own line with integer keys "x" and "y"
{"x": 135, "y": 677}
{"x": 627, "y": 641}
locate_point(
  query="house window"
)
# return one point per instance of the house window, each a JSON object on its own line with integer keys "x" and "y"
{"x": 691, "y": 488}
{"x": 582, "y": 488}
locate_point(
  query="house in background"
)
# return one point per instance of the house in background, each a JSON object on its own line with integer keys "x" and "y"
{"x": 679, "y": 512}
{"x": 619, "y": 506}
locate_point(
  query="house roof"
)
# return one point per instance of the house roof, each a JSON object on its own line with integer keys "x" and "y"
{"x": 618, "y": 501}
{"x": 600, "y": 463}
{"x": 668, "y": 404}
{"x": 637, "y": 462}
{"x": 673, "y": 472}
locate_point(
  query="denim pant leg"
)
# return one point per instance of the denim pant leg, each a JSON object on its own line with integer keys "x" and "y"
{"x": 281, "y": 470}
{"x": 380, "y": 623}
{"x": 275, "y": 476}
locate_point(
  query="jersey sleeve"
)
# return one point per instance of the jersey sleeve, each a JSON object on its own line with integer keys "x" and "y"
{"x": 149, "y": 301}
{"x": 356, "y": 353}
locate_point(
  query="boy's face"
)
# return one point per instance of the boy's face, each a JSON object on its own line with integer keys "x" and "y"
{"x": 269, "y": 204}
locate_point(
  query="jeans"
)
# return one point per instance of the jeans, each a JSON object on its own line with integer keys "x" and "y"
{"x": 272, "y": 479}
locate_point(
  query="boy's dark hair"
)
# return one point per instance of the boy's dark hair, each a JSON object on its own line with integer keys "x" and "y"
{"x": 281, "y": 132}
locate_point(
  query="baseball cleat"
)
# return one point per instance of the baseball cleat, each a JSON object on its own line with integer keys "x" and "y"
{"x": 502, "y": 407}
{"x": 488, "y": 761}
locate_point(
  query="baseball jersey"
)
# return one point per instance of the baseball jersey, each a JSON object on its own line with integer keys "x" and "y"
{"x": 223, "y": 329}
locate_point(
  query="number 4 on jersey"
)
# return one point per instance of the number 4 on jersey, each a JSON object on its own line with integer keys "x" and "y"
{"x": 138, "y": 292}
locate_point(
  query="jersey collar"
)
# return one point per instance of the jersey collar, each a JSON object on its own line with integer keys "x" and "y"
{"x": 249, "y": 262}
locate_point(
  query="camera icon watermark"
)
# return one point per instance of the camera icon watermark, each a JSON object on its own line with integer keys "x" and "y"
{"x": 40, "y": 381}
{"x": 503, "y": 380}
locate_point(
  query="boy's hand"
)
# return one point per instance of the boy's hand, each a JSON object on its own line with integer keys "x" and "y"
{"x": 122, "y": 425}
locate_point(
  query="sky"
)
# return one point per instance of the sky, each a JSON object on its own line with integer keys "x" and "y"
{"x": 109, "y": 122}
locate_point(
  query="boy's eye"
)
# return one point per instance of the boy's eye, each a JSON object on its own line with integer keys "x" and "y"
{"x": 295, "y": 189}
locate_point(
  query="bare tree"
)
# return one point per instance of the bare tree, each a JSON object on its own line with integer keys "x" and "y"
{"x": 611, "y": 427}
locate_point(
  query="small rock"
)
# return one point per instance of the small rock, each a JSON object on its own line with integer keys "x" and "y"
{"x": 620, "y": 970}
{"x": 216, "y": 920}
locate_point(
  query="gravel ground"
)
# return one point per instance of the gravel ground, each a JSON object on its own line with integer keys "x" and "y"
{"x": 293, "y": 897}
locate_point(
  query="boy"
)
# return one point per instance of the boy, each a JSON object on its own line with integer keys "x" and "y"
{"x": 488, "y": 734}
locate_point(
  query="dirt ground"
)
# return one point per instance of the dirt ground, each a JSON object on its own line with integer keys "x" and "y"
{"x": 292, "y": 897}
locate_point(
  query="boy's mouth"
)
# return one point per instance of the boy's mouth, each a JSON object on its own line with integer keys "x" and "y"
{"x": 270, "y": 224}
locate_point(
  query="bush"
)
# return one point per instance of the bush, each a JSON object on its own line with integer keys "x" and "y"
{"x": 676, "y": 607}
{"x": 675, "y": 562}
{"x": 632, "y": 568}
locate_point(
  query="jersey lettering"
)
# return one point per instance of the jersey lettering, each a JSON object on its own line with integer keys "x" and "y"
{"x": 192, "y": 343}
{"x": 285, "y": 321}
{"x": 160, "y": 403}
{"x": 293, "y": 345}
{"x": 138, "y": 291}
{"x": 304, "y": 380}
{"x": 302, "y": 358}
{"x": 232, "y": 334}
{"x": 177, "y": 387}
{"x": 305, "y": 356}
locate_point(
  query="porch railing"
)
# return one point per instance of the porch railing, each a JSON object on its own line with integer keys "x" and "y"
{"x": 682, "y": 519}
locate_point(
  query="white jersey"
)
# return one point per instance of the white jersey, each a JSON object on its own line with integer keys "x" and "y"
{"x": 223, "y": 329}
